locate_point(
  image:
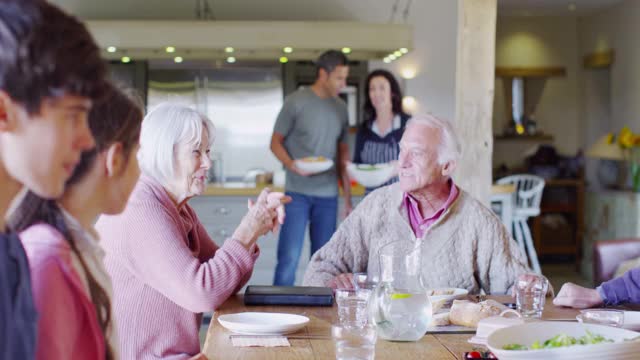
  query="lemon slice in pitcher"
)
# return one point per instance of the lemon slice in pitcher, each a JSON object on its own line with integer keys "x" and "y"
{"x": 398, "y": 296}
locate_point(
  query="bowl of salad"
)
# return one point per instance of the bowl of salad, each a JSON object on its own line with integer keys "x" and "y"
{"x": 551, "y": 340}
{"x": 371, "y": 175}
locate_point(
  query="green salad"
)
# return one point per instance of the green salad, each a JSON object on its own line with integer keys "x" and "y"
{"x": 366, "y": 167}
{"x": 561, "y": 340}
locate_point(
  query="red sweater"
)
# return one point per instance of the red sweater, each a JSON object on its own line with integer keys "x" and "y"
{"x": 67, "y": 325}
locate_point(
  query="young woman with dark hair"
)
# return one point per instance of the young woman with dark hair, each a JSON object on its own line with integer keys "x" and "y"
{"x": 72, "y": 291}
{"x": 378, "y": 138}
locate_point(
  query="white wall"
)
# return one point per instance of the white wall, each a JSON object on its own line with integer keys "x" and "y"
{"x": 617, "y": 28}
{"x": 433, "y": 57}
{"x": 540, "y": 42}
{"x": 610, "y": 96}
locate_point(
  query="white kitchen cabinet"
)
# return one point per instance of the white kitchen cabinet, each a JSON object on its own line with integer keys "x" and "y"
{"x": 220, "y": 215}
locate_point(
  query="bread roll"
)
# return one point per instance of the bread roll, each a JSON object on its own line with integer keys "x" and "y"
{"x": 467, "y": 313}
{"x": 441, "y": 319}
{"x": 437, "y": 305}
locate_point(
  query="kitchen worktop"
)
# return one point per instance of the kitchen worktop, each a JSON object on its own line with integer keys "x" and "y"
{"x": 245, "y": 189}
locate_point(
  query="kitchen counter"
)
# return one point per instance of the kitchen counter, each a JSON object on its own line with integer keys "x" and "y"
{"x": 244, "y": 189}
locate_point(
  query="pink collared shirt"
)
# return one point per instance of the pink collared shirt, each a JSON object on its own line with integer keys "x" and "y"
{"x": 420, "y": 224}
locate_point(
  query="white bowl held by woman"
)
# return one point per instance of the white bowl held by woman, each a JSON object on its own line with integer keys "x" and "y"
{"x": 314, "y": 164}
{"x": 541, "y": 331}
{"x": 369, "y": 175}
{"x": 261, "y": 323}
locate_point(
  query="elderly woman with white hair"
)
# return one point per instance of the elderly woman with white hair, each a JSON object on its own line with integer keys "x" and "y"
{"x": 165, "y": 268}
{"x": 464, "y": 244}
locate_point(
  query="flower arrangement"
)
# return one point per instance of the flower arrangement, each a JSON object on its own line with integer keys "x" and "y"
{"x": 629, "y": 142}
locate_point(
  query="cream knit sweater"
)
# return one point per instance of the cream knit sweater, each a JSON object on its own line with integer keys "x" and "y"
{"x": 468, "y": 247}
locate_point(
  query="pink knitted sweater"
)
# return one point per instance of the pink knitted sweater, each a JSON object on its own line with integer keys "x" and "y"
{"x": 166, "y": 271}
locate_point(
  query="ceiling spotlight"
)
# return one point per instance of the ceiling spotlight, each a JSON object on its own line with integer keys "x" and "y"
{"x": 397, "y": 53}
{"x": 288, "y": 50}
{"x": 404, "y": 50}
{"x": 231, "y": 59}
{"x": 111, "y": 49}
{"x": 125, "y": 59}
{"x": 228, "y": 49}
{"x": 392, "y": 57}
{"x": 170, "y": 49}
{"x": 409, "y": 104}
{"x": 386, "y": 60}
{"x": 284, "y": 60}
{"x": 177, "y": 59}
{"x": 408, "y": 73}
{"x": 572, "y": 7}
{"x": 346, "y": 50}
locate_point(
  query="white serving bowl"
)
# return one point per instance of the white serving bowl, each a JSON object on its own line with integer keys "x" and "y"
{"x": 370, "y": 175}
{"x": 312, "y": 165}
{"x": 528, "y": 333}
{"x": 457, "y": 294}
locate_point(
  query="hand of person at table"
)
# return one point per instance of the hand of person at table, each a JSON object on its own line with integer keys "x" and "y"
{"x": 342, "y": 281}
{"x": 578, "y": 297}
{"x": 264, "y": 215}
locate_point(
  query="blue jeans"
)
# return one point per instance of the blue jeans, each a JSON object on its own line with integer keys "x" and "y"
{"x": 322, "y": 212}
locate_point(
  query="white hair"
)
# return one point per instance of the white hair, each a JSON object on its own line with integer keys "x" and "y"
{"x": 164, "y": 127}
{"x": 449, "y": 149}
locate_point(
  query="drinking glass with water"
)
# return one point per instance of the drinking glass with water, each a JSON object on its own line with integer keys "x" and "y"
{"x": 531, "y": 292}
{"x": 354, "y": 343}
{"x": 352, "y": 307}
{"x": 354, "y": 336}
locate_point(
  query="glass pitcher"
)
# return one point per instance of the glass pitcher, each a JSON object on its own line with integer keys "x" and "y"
{"x": 400, "y": 306}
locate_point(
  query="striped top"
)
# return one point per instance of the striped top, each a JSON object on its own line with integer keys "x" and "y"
{"x": 372, "y": 147}
{"x": 166, "y": 271}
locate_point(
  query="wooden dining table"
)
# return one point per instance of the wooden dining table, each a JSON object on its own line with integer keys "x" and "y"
{"x": 432, "y": 346}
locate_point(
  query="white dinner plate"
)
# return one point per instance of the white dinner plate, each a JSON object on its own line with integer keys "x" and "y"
{"x": 259, "y": 323}
{"x": 631, "y": 320}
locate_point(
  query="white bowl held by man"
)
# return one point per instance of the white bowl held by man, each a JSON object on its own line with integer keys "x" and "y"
{"x": 314, "y": 164}
{"x": 541, "y": 331}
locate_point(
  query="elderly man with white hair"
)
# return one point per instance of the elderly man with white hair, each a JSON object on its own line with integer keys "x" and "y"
{"x": 463, "y": 243}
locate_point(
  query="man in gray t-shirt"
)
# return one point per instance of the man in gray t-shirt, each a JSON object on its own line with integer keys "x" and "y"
{"x": 312, "y": 122}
